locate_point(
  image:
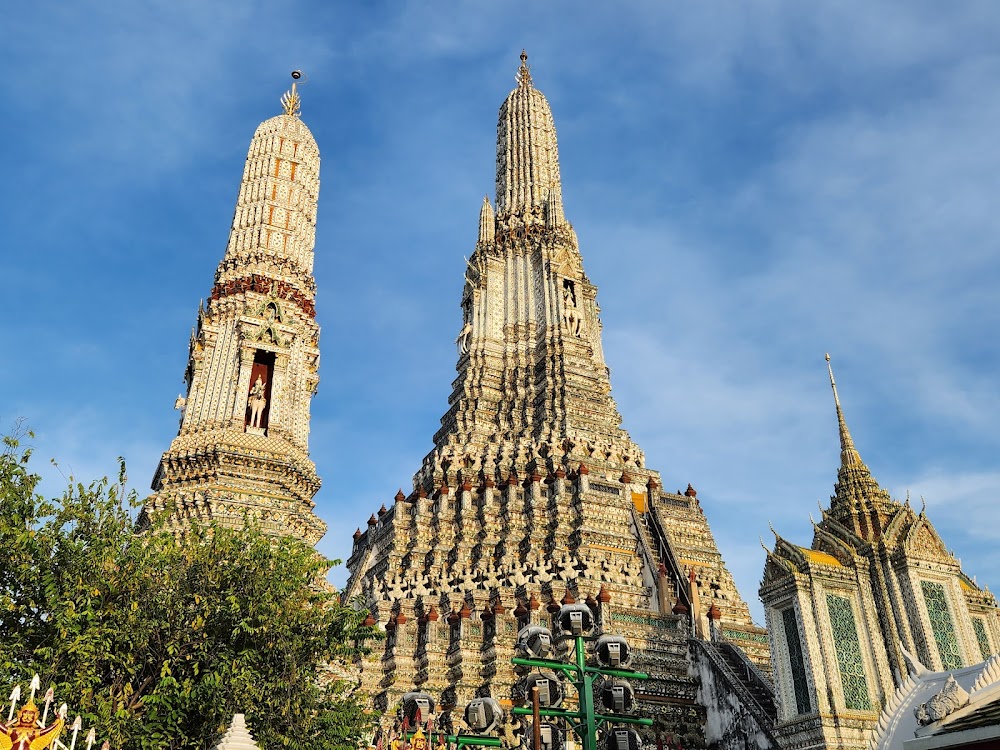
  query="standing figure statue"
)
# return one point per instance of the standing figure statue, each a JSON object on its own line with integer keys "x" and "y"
{"x": 257, "y": 402}
{"x": 26, "y": 734}
{"x": 570, "y": 317}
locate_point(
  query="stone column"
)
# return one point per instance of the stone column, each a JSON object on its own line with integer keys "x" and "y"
{"x": 278, "y": 423}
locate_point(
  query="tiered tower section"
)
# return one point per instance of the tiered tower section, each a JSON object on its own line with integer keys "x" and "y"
{"x": 533, "y": 494}
{"x": 243, "y": 445}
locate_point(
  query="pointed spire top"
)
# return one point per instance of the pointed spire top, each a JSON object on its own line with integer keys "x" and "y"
{"x": 523, "y": 76}
{"x": 291, "y": 102}
{"x": 849, "y": 456}
{"x": 487, "y": 225}
{"x": 858, "y": 502}
{"x": 527, "y": 154}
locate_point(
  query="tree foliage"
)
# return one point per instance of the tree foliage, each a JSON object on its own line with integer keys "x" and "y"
{"x": 158, "y": 640}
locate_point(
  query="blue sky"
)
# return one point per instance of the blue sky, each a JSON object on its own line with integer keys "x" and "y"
{"x": 752, "y": 184}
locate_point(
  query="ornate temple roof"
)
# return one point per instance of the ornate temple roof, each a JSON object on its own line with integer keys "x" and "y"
{"x": 858, "y": 503}
{"x": 820, "y": 557}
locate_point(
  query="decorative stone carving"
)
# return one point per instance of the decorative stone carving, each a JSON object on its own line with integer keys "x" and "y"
{"x": 257, "y": 402}
{"x": 463, "y": 338}
{"x": 571, "y": 318}
{"x": 237, "y": 736}
{"x": 951, "y": 698}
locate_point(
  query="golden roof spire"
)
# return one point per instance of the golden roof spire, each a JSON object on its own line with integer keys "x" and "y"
{"x": 523, "y": 76}
{"x": 291, "y": 102}
{"x": 849, "y": 455}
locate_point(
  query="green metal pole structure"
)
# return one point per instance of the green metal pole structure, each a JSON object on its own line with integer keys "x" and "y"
{"x": 584, "y": 721}
{"x": 586, "y": 696}
{"x": 463, "y": 740}
{"x": 460, "y": 740}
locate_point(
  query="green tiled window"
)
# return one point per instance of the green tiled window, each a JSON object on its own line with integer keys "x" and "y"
{"x": 796, "y": 661}
{"x": 848, "y": 647}
{"x": 984, "y": 643}
{"x": 941, "y": 624}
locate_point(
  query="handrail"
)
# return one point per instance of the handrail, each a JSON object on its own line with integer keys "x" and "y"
{"x": 764, "y": 719}
{"x": 751, "y": 668}
{"x": 350, "y": 588}
{"x": 667, "y": 556}
{"x": 643, "y": 544}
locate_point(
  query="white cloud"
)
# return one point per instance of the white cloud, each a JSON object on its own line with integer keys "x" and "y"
{"x": 752, "y": 186}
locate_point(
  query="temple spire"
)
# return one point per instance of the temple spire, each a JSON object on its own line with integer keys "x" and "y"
{"x": 527, "y": 154}
{"x": 858, "y": 502}
{"x": 849, "y": 455}
{"x": 487, "y": 229}
{"x": 243, "y": 445}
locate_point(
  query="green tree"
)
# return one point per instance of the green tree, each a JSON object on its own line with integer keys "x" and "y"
{"x": 158, "y": 640}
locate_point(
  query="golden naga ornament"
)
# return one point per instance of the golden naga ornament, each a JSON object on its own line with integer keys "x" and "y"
{"x": 25, "y": 727}
{"x": 26, "y": 734}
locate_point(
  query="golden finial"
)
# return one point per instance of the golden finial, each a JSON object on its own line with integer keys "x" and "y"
{"x": 290, "y": 100}
{"x": 523, "y": 76}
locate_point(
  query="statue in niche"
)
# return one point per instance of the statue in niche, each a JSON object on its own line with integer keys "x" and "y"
{"x": 571, "y": 317}
{"x": 257, "y": 401}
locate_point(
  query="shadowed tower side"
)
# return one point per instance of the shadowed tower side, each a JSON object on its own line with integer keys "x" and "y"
{"x": 243, "y": 444}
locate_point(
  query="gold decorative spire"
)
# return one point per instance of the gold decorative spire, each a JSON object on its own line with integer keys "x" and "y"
{"x": 523, "y": 76}
{"x": 291, "y": 102}
{"x": 849, "y": 456}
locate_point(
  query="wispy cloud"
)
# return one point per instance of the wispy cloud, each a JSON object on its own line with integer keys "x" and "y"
{"x": 752, "y": 186}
